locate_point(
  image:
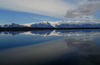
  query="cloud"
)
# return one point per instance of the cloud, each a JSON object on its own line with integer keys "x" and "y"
{"x": 56, "y": 8}
{"x": 86, "y": 7}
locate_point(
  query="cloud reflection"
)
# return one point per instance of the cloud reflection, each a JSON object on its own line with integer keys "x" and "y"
{"x": 80, "y": 47}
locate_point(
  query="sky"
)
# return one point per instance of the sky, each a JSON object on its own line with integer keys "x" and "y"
{"x": 28, "y": 11}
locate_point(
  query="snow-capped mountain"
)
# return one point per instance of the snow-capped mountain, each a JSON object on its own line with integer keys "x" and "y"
{"x": 44, "y": 24}
{"x": 11, "y": 25}
{"x": 86, "y": 21}
{"x": 1, "y": 25}
{"x": 66, "y": 24}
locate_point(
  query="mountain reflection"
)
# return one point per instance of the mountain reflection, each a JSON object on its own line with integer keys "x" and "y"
{"x": 77, "y": 47}
{"x": 51, "y": 32}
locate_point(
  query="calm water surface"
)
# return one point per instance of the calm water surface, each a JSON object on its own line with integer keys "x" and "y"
{"x": 50, "y": 47}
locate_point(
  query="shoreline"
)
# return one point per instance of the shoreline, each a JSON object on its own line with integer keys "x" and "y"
{"x": 30, "y": 29}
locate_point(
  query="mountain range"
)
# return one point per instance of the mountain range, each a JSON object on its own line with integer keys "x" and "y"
{"x": 88, "y": 22}
{"x": 51, "y": 25}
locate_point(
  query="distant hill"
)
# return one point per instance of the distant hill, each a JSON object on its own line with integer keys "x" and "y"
{"x": 50, "y": 25}
{"x": 76, "y": 23}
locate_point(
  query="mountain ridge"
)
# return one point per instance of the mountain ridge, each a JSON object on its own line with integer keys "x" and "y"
{"x": 75, "y": 23}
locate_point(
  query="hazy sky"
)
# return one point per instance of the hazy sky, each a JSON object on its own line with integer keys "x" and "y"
{"x": 27, "y": 11}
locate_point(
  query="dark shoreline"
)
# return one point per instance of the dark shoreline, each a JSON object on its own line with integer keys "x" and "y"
{"x": 30, "y": 29}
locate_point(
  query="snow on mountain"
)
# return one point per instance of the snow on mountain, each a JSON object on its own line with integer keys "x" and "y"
{"x": 67, "y": 23}
{"x": 86, "y": 21}
{"x": 1, "y": 25}
{"x": 42, "y": 25}
{"x": 29, "y": 24}
{"x": 50, "y": 23}
{"x": 11, "y": 25}
{"x": 78, "y": 21}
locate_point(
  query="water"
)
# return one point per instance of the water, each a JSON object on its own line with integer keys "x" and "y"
{"x": 50, "y": 47}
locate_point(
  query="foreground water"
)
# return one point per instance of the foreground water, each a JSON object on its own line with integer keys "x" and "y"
{"x": 50, "y": 47}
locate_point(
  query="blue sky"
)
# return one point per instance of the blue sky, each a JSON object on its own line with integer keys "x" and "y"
{"x": 8, "y": 16}
{"x": 28, "y": 11}
{"x": 97, "y": 14}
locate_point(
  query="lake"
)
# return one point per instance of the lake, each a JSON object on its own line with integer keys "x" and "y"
{"x": 50, "y": 47}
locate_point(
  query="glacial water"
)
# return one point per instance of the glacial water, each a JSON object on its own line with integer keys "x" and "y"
{"x": 50, "y": 47}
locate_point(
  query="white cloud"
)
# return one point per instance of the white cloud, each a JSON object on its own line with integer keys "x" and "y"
{"x": 86, "y": 7}
{"x": 56, "y": 8}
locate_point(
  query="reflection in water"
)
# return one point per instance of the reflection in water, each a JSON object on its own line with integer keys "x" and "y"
{"x": 52, "y": 32}
{"x": 58, "y": 47}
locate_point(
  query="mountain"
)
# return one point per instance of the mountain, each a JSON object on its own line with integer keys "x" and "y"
{"x": 1, "y": 25}
{"x": 11, "y": 25}
{"x": 52, "y": 25}
{"x": 63, "y": 24}
{"x": 73, "y": 23}
{"x": 86, "y": 21}
{"x": 42, "y": 25}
